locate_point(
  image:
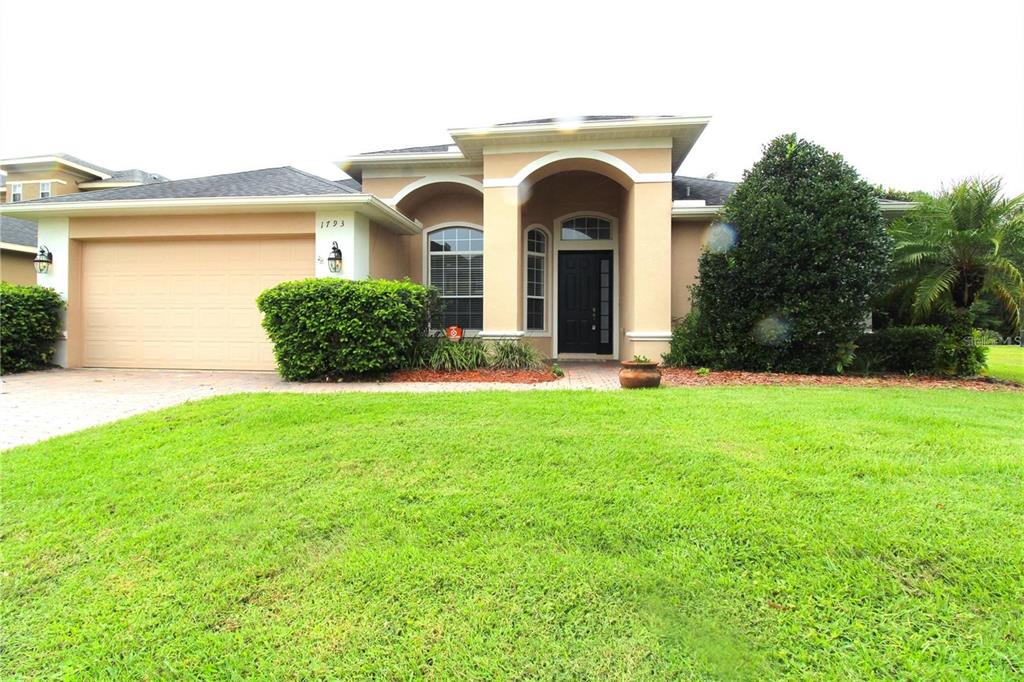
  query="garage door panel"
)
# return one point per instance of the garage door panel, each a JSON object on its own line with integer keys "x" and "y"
{"x": 183, "y": 304}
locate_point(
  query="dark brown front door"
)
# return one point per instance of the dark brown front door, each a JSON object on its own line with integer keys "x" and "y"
{"x": 585, "y": 302}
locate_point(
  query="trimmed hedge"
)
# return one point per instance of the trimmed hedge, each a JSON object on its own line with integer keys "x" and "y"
{"x": 330, "y": 327}
{"x": 901, "y": 349}
{"x": 922, "y": 349}
{"x": 30, "y": 325}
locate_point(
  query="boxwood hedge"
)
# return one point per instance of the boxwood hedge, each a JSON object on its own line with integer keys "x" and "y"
{"x": 30, "y": 325}
{"x": 334, "y": 328}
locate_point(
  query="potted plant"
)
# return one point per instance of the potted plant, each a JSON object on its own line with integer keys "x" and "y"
{"x": 640, "y": 372}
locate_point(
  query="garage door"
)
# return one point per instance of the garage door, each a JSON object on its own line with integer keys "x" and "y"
{"x": 183, "y": 304}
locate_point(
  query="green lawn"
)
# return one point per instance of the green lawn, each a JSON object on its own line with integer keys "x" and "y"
{"x": 729, "y": 533}
{"x": 1006, "y": 362}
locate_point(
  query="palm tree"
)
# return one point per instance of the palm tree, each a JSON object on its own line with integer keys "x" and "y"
{"x": 963, "y": 242}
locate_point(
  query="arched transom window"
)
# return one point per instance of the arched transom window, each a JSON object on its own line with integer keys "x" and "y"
{"x": 536, "y": 282}
{"x": 583, "y": 228}
{"x": 456, "y": 263}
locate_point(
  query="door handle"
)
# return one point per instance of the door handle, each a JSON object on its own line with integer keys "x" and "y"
{"x": 593, "y": 317}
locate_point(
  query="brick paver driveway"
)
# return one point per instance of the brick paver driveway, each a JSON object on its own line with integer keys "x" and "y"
{"x": 38, "y": 405}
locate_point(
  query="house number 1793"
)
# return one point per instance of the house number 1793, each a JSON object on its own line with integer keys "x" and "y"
{"x": 331, "y": 222}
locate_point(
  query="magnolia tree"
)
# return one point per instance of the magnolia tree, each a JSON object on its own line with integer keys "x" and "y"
{"x": 788, "y": 276}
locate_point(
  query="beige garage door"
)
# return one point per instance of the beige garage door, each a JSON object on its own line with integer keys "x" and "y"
{"x": 183, "y": 304}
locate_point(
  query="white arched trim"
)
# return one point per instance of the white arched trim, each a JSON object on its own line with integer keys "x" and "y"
{"x": 586, "y": 214}
{"x": 568, "y": 154}
{"x": 433, "y": 180}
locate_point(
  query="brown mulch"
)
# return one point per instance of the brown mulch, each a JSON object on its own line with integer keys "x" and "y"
{"x": 685, "y": 376}
{"x": 501, "y": 376}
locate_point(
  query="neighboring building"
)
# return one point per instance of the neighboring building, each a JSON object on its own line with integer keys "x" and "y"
{"x": 17, "y": 250}
{"x": 49, "y": 175}
{"x": 39, "y": 177}
{"x": 576, "y": 236}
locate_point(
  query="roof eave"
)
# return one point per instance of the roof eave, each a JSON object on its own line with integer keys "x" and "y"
{"x": 888, "y": 209}
{"x": 21, "y": 248}
{"x": 369, "y": 205}
{"x": 571, "y": 127}
{"x": 28, "y": 160}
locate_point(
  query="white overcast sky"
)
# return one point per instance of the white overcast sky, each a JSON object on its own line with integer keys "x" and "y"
{"x": 914, "y": 94}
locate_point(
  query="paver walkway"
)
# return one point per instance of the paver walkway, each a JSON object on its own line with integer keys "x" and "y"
{"x": 38, "y": 405}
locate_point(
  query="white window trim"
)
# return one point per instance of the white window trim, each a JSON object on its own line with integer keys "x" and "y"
{"x": 425, "y": 279}
{"x": 47, "y": 187}
{"x": 587, "y": 245}
{"x": 17, "y": 188}
{"x": 548, "y": 250}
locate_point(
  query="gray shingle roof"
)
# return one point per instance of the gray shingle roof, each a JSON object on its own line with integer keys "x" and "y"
{"x": 349, "y": 183}
{"x": 423, "y": 149}
{"x": 136, "y": 175}
{"x": 266, "y": 182}
{"x": 18, "y": 231}
{"x": 714, "y": 192}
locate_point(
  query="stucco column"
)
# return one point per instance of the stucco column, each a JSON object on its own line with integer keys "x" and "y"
{"x": 55, "y": 234}
{"x": 352, "y": 232}
{"x": 648, "y": 267}
{"x": 503, "y": 252}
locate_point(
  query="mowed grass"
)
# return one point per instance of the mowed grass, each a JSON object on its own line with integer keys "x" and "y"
{"x": 729, "y": 533}
{"x": 1006, "y": 362}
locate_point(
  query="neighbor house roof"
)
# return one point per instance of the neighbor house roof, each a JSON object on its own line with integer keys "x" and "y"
{"x": 266, "y": 182}
{"x": 103, "y": 174}
{"x": 18, "y": 231}
{"x": 712, "y": 192}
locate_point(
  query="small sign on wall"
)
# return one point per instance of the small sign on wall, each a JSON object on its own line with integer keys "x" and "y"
{"x": 454, "y": 333}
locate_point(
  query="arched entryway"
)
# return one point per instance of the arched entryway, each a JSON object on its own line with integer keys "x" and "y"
{"x": 571, "y": 296}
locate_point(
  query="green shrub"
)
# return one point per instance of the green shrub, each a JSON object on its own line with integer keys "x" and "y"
{"x": 922, "y": 349}
{"x": 787, "y": 278}
{"x": 901, "y": 349}
{"x": 514, "y": 354}
{"x": 30, "y": 325}
{"x": 989, "y": 337}
{"x": 962, "y": 352}
{"x": 331, "y": 327}
{"x": 687, "y": 348}
{"x": 450, "y": 356}
{"x": 423, "y": 349}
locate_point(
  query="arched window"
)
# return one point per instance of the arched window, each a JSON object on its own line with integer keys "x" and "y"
{"x": 456, "y": 262}
{"x": 585, "y": 228}
{"x": 536, "y": 282}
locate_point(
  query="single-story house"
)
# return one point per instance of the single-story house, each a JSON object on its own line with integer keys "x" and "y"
{"x": 577, "y": 236}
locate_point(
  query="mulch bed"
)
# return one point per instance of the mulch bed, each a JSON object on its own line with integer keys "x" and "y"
{"x": 500, "y": 376}
{"x": 674, "y": 376}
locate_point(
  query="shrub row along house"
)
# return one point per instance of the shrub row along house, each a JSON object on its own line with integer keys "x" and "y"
{"x": 577, "y": 236}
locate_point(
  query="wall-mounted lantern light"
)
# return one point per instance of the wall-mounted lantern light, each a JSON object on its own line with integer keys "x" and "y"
{"x": 43, "y": 260}
{"x": 334, "y": 260}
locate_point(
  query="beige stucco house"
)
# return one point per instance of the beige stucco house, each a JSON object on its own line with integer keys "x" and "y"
{"x": 577, "y": 236}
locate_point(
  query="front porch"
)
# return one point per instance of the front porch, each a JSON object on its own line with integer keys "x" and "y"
{"x": 574, "y": 257}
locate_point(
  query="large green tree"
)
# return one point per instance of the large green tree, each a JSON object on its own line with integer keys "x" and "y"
{"x": 962, "y": 244}
{"x": 788, "y": 276}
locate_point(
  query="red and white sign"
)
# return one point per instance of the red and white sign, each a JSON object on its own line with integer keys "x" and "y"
{"x": 454, "y": 333}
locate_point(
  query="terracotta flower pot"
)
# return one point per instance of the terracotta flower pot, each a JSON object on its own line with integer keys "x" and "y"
{"x": 639, "y": 374}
